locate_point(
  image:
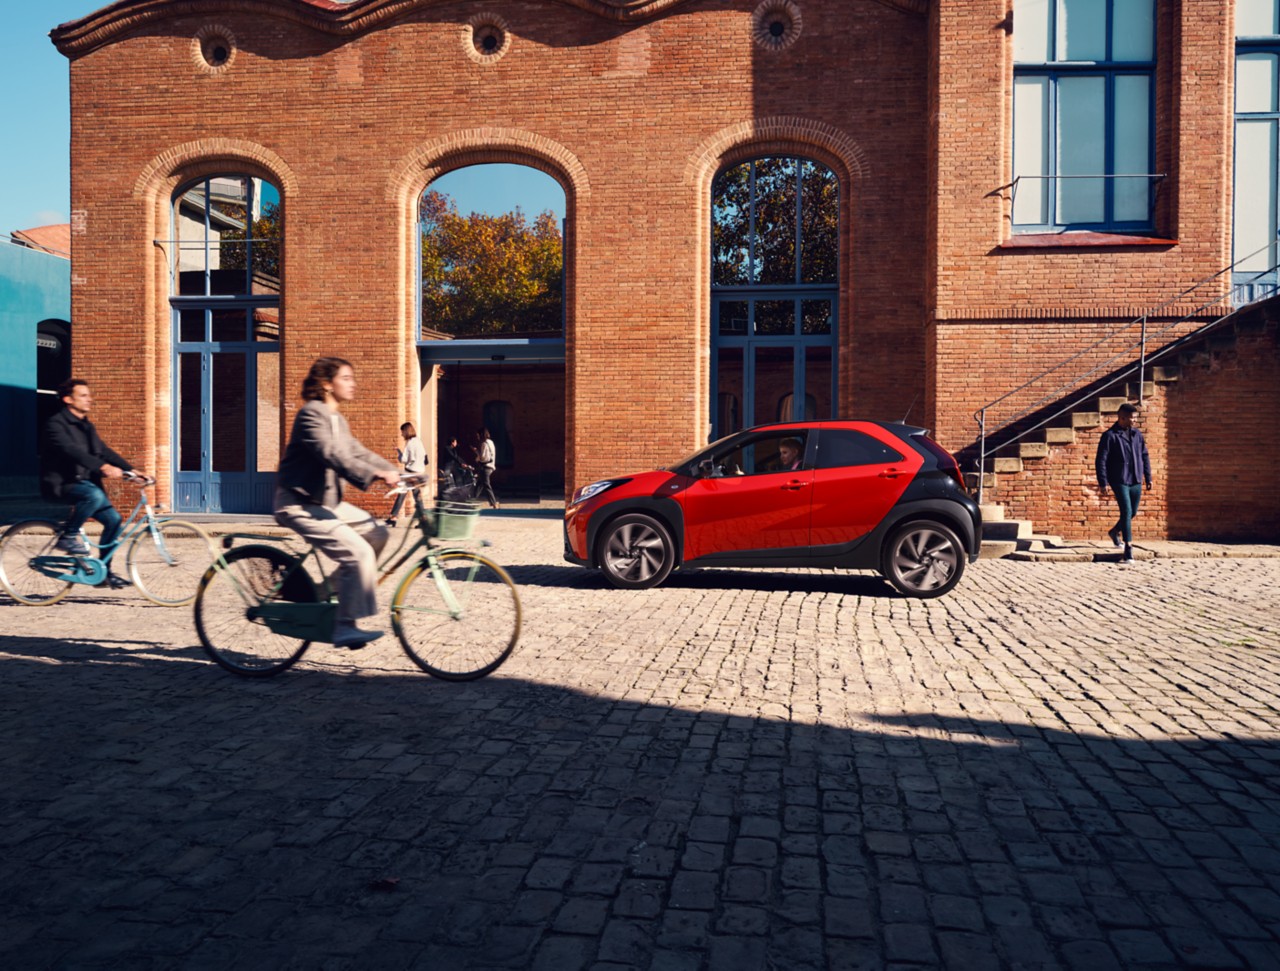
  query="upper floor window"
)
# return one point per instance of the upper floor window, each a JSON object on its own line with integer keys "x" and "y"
{"x": 1082, "y": 114}
{"x": 227, "y": 231}
{"x": 1257, "y": 141}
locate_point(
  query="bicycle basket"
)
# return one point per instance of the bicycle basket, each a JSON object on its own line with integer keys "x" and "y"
{"x": 455, "y": 520}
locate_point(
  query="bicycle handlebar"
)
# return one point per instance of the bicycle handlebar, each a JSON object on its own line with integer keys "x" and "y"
{"x": 142, "y": 480}
{"x": 409, "y": 481}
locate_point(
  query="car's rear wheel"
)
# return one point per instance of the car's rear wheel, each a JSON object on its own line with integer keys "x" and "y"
{"x": 636, "y": 552}
{"x": 923, "y": 559}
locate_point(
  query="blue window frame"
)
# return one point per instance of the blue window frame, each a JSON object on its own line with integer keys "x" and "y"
{"x": 225, "y": 301}
{"x": 1083, "y": 119}
{"x": 775, "y": 232}
{"x": 1255, "y": 218}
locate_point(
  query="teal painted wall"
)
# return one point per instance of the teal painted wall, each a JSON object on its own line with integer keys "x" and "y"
{"x": 34, "y": 286}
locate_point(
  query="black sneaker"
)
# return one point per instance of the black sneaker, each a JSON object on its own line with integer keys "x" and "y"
{"x": 1115, "y": 537}
{"x": 73, "y": 544}
{"x": 115, "y": 582}
{"x": 1128, "y": 554}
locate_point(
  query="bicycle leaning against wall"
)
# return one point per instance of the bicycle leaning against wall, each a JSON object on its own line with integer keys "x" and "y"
{"x": 456, "y": 613}
{"x": 166, "y": 557}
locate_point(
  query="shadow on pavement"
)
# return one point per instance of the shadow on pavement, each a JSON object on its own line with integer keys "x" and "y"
{"x": 849, "y": 584}
{"x": 169, "y": 814}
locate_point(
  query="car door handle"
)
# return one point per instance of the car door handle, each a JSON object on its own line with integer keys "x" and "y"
{"x": 794, "y": 485}
{"x": 891, "y": 473}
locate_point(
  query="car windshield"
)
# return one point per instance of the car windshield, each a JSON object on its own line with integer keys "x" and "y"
{"x": 690, "y": 462}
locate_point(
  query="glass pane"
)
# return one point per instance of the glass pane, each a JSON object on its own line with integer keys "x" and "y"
{"x": 1133, "y": 33}
{"x": 775, "y": 317}
{"x": 266, "y": 324}
{"x": 820, "y": 223}
{"x": 227, "y": 426}
{"x": 264, "y": 260}
{"x": 775, "y": 207}
{"x": 191, "y": 325}
{"x": 729, "y": 390}
{"x": 774, "y": 384}
{"x": 1032, "y": 31}
{"x": 817, "y": 383}
{"x": 733, "y": 317}
{"x": 730, "y": 227}
{"x": 227, "y": 325}
{"x": 269, "y": 450}
{"x": 815, "y": 317}
{"x": 1256, "y": 82}
{"x": 190, "y": 269}
{"x": 1256, "y": 18}
{"x": 843, "y": 447}
{"x": 1255, "y": 196}
{"x": 1132, "y": 147}
{"x": 1081, "y": 149}
{"x": 1031, "y": 150}
{"x": 188, "y": 412}
{"x": 1082, "y": 30}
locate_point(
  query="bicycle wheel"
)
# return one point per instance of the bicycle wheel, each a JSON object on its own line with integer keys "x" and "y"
{"x": 167, "y": 560}
{"x": 461, "y": 624}
{"x": 242, "y": 580}
{"x": 22, "y": 542}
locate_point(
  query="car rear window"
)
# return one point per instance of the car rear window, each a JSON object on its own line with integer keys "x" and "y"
{"x": 840, "y": 447}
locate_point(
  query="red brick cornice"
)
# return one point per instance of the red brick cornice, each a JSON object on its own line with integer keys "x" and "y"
{"x": 81, "y": 36}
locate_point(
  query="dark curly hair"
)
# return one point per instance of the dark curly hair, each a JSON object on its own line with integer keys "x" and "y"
{"x": 322, "y": 369}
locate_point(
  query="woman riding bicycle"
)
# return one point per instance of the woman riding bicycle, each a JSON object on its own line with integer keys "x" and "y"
{"x": 322, "y": 453}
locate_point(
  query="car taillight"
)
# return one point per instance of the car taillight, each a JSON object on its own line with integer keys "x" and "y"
{"x": 946, "y": 461}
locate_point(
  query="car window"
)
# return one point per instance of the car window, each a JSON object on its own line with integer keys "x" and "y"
{"x": 841, "y": 447}
{"x": 760, "y": 455}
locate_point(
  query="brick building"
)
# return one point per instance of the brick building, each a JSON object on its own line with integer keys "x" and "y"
{"x": 1005, "y": 184}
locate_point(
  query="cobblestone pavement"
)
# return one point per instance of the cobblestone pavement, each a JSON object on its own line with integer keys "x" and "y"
{"x": 1059, "y": 765}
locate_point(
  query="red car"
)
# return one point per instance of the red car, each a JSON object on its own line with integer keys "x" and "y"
{"x": 860, "y": 495}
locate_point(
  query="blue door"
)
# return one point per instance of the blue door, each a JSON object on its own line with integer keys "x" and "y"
{"x": 226, "y": 421}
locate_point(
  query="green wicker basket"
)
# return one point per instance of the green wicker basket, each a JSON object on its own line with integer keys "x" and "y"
{"x": 455, "y": 520}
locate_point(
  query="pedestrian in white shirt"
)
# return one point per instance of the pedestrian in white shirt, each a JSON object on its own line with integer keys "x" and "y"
{"x": 486, "y": 462}
{"x": 413, "y": 457}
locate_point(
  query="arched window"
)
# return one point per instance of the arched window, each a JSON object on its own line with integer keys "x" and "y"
{"x": 226, "y": 286}
{"x": 775, "y": 243}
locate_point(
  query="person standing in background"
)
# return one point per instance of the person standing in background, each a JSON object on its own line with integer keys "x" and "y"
{"x": 413, "y": 457}
{"x": 486, "y": 462}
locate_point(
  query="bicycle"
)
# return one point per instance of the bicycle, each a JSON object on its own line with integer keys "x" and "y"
{"x": 455, "y": 612}
{"x": 165, "y": 560}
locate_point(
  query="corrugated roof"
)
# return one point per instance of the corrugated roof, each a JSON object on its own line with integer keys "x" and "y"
{"x": 55, "y": 239}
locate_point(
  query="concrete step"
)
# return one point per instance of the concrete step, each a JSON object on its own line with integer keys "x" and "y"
{"x": 1006, "y": 465}
{"x": 1033, "y": 450}
{"x": 1166, "y": 374}
{"x": 1085, "y": 419}
{"x": 1059, "y": 436}
{"x": 1148, "y": 389}
{"x": 1007, "y": 529}
{"x": 1108, "y": 406}
{"x": 996, "y": 549}
{"x": 992, "y": 512}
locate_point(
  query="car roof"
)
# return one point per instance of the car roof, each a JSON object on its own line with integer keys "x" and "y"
{"x": 897, "y": 427}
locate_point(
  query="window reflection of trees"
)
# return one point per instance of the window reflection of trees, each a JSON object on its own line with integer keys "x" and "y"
{"x": 775, "y": 221}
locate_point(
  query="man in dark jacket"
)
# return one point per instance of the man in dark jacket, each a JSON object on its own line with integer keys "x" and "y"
{"x": 1123, "y": 465}
{"x": 75, "y": 461}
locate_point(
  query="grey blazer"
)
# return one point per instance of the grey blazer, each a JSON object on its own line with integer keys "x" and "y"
{"x": 321, "y": 452}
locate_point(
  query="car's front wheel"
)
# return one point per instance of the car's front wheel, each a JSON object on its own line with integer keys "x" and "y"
{"x": 923, "y": 559}
{"x": 636, "y": 552}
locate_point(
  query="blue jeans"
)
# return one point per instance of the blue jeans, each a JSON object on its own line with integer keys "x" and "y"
{"x": 1127, "y": 498}
{"x": 92, "y": 502}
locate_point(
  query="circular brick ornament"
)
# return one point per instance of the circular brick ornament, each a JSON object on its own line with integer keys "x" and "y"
{"x": 213, "y": 48}
{"x": 486, "y": 38}
{"x": 776, "y": 24}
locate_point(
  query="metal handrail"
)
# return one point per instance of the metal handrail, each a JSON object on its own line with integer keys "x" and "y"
{"x": 980, "y": 416}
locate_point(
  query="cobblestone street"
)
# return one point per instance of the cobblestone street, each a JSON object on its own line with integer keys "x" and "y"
{"x": 1067, "y": 765}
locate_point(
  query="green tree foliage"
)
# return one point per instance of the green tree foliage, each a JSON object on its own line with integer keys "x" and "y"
{"x": 267, "y": 231}
{"x": 764, "y": 250}
{"x": 489, "y": 276}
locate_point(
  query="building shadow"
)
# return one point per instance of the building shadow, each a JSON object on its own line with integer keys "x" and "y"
{"x": 353, "y": 813}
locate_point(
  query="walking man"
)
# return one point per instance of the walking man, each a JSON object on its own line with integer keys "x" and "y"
{"x": 1123, "y": 465}
{"x": 75, "y": 462}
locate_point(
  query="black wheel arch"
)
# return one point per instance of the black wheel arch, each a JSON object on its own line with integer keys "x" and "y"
{"x": 666, "y": 511}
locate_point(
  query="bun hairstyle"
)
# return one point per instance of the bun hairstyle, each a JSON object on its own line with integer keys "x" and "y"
{"x": 322, "y": 369}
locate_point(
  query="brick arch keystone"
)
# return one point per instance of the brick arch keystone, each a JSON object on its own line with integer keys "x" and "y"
{"x": 474, "y": 146}
{"x": 785, "y": 132}
{"x": 216, "y": 154}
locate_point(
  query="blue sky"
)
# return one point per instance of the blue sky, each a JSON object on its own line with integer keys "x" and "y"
{"x": 35, "y": 182}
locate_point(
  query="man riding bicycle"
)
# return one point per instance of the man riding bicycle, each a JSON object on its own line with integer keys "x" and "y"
{"x": 75, "y": 460}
